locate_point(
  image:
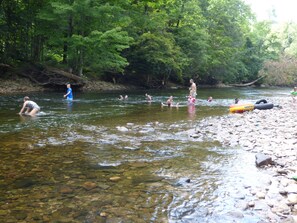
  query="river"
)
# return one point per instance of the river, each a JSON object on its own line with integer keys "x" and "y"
{"x": 98, "y": 159}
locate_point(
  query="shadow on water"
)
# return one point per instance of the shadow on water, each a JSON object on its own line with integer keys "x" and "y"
{"x": 98, "y": 158}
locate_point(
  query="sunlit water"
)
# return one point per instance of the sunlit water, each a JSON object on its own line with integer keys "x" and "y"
{"x": 98, "y": 159}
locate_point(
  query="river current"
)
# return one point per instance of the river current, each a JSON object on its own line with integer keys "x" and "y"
{"x": 99, "y": 159}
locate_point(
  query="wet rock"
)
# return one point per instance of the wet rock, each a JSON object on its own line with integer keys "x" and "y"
{"x": 89, "y": 185}
{"x": 262, "y": 160}
{"x": 66, "y": 190}
{"x": 103, "y": 214}
{"x": 195, "y": 136}
{"x": 3, "y": 212}
{"x": 122, "y": 129}
{"x": 103, "y": 186}
{"x": 24, "y": 182}
{"x": 114, "y": 179}
{"x": 19, "y": 214}
{"x": 182, "y": 182}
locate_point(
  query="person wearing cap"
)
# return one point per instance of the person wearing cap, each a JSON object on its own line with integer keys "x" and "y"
{"x": 31, "y": 107}
{"x": 69, "y": 94}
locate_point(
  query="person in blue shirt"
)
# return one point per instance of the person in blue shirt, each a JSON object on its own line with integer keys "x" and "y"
{"x": 69, "y": 93}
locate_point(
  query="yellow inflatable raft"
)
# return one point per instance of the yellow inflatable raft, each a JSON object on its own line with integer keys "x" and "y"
{"x": 239, "y": 108}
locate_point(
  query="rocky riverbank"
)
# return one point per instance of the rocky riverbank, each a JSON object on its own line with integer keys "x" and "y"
{"x": 272, "y": 133}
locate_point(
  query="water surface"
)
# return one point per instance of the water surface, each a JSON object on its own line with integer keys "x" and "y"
{"x": 98, "y": 159}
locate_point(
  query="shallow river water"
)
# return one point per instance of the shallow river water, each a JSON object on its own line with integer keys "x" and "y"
{"x": 98, "y": 159}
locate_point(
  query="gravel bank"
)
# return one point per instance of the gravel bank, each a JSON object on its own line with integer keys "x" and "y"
{"x": 270, "y": 132}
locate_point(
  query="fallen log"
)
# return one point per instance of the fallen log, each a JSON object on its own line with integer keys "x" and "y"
{"x": 247, "y": 84}
{"x": 50, "y": 77}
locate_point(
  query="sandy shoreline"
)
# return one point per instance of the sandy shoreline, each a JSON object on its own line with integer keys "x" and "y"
{"x": 271, "y": 132}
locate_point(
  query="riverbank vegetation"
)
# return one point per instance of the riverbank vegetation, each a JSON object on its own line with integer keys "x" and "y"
{"x": 148, "y": 43}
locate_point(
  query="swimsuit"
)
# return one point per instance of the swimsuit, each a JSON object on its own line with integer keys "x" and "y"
{"x": 32, "y": 105}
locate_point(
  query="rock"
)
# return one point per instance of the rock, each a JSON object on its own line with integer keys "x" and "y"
{"x": 66, "y": 190}
{"x": 236, "y": 214}
{"x": 114, "y": 179}
{"x": 89, "y": 185}
{"x": 103, "y": 214}
{"x": 251, "y": 204}
{"x": 260, "y": 195}
{"x": 19, "y": 215}
{"x": 292, "y": 199}
{"x": 195, "y": 136}
{"x": 262, "y": 160}
{"x": 122, "y": 129}
{"x": 3, "y": 212}
{"x": 281, "y": 208}
{"x": 261, "y": 205}
{"x": 292, "y": 188}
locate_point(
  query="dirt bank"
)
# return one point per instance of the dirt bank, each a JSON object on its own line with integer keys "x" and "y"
{"x": 23, "y": 85}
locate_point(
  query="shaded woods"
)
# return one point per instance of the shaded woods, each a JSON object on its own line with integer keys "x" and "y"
{"x": 147, "y": 43}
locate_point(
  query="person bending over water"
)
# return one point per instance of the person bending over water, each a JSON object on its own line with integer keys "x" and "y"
{"x": 69, "y": 94}
{"x": 31, "y": 107}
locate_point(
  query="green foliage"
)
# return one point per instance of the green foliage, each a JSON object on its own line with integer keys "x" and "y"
{"x": 158, "y": 56}
{"x": 150, "y": 41}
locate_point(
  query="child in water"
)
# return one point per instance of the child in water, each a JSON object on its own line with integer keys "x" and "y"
{"x": 31, "y": 107}
{"x": 191, "y": 100}
{"x": 69, "y": 94}
{"x": 169, "y": 102}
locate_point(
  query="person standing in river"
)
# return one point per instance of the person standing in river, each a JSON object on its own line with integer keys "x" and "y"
{"x": 193, "y": 89}
{"x": 294, "y": 94}
{"x": 69, "y": 94}
{"x": 148, "y": 97}
{"x": 31, "y": 107}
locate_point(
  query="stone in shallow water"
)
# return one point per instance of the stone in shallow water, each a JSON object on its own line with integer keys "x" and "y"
{"x": 24, "y": 182}
{"x": 89, "y": 185}
{"x": 114, "y": 179}
{"x": 66, "y": 190}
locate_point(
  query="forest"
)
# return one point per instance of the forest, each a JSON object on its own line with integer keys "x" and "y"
{"x": 149, "y": 42}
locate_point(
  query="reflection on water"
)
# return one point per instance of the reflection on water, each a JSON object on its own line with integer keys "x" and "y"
{"x": 98, "y": 158}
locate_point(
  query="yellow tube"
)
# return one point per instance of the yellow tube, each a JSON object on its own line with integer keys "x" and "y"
{"x": 241, "y": 108}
